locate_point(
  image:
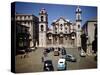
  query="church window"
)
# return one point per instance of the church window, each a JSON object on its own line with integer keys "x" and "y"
{"x": 61, "y": 26}
{"x": 78, "y": 26}
{"x": 78, "y": 10}
{"x": 65, "y": 31}
{"x": 73, "y": 35}
{"x": 55, "y": 38}
{"x": 42, "y": 27}
{"x": 55, "y": 28}
{"x": 65, "y": 28}
{"x": 78, "y": 17}
{"x": 42, "y": 18}
{"x": 56, "y": 32}
{"x": 42, "y": 12}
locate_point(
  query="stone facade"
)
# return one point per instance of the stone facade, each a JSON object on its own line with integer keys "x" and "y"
{"x": 62, "y": 32}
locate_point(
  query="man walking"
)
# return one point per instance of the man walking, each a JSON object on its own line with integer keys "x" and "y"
{"x": 42, "y": 59}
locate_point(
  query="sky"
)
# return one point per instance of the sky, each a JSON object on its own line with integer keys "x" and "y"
{"x": 55, "y": 11}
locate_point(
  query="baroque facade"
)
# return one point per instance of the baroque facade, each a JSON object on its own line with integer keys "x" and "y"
{"x": 62, "y": 32}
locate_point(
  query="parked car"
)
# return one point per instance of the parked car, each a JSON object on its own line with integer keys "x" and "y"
{"x": 28, "y": 50}
{"x": 70, "y": 57}
{"x": 47, "y": 50}
{"x": 48, "y": 66}
{"x": 61, "y": 64}
{"x": 56, "y": 52}
{"x": 52, "y": 48}
{"x": 33, "y": 48}
{"x": 82, "y": 53}
{"x": 59, "y": 48}
{"x": 20, "y": 51}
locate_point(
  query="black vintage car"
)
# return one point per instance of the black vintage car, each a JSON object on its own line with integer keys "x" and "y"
{"x": 70, "y": 57}
{"x": 48, "y": 66}
{"x": 47, "y": 50}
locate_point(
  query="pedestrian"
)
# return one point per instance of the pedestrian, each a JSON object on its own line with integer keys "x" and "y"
{"x": 79, "y": 48}
{"x": 42, "y": 59}
{"x": 94, "y": 46}
{"x": 45, "y": 53}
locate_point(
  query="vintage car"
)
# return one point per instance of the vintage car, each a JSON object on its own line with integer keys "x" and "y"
{"x": 56, "y": 52}
{"x": 61, "y": 64}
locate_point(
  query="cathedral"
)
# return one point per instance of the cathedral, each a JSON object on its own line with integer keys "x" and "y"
{"x": 62, "y": 33}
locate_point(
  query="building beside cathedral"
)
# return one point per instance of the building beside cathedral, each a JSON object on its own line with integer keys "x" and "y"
{"x": 26, "y": 30}
{"x": 62, "y": 32}
{"x": 90, "y": 29}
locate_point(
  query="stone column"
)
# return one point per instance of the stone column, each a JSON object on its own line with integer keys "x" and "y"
{"x": 58, "y": 41}
{"x": 52, "y": 40}
{"x": 63, "y": 41}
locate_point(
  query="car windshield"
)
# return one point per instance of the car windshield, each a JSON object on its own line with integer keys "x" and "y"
{"x": 61, "y": 62}
{"x": 48, "y": 62}
{"x": 68, "y": 56}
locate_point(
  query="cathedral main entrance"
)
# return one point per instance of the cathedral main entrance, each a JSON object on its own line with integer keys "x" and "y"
{"x": 60, "y": 40}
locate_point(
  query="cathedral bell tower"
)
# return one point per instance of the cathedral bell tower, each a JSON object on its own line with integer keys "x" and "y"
{"x": 43, "y": 22}
{"x": 78, "y": 26}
